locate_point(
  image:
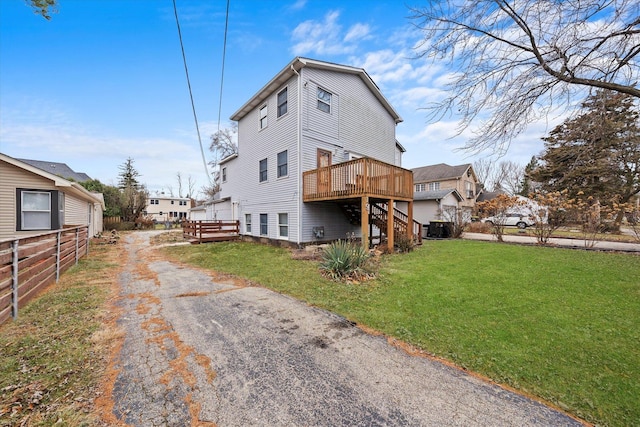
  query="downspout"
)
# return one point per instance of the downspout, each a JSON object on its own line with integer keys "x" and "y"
{"x": 299, "y": 147}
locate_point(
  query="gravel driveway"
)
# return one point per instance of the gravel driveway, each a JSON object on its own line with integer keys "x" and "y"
{"x": 203, "y": 352}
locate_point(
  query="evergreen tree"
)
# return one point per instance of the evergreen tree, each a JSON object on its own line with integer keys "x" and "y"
{"x": 134, "y": 194}
{"x": 596, "y": 152}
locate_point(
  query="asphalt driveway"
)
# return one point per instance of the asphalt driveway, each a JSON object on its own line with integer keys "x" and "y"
{"x": 203, "y": 351}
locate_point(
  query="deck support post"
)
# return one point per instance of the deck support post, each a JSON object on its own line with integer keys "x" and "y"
{"x": 390, "y": 231}
{"x": 364, "y": 218}
{"x": 410, "y": 221}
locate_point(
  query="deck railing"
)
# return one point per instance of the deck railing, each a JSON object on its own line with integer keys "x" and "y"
{"x": 210, "y": 231}
{"x": 357, "y": 178}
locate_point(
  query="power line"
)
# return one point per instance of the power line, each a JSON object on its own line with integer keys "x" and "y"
{"x": 224, "y": 54}
{"x": 193, "y": 106}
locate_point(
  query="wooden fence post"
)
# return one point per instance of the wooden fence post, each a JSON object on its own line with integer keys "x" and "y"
{"x": 77, "y": 245}
{"x": 14, "y": 278}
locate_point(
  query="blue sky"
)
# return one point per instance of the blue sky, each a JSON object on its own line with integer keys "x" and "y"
{"x": 104, "y": 80}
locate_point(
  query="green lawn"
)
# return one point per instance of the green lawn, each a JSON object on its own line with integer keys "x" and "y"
{"x": 560, "y": 324}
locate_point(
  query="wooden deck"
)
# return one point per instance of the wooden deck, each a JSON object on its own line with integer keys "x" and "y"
{"x": 210, "y": 231}
{"x": 363, "y": 177}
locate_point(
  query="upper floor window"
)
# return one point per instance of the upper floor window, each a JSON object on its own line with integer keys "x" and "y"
{"x": 420, "y": 187}
{"x": 324, "y": 100}
{"x": 224, "y": 174}
{"x": 263, "y": 170}
{"x": 282, "y": 102}
{"x": 154, "y": 202}
{"x": 172, "y": 201}
{"x": 183, "y": 203}
{"x": 434, "y": 186}
{"x": 282, "y": 164}
{"x": 263, "y": 117}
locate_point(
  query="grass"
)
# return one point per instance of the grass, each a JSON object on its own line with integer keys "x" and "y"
{"x": 559, "y": 324}
{"x": 53, "y": 356}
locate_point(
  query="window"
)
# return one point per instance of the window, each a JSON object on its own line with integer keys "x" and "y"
{"x": 283, "y": 225}
{"x": 173, "y": 201}
{"x": 35, "y": 210}
{"x": 420, "y": 187}
{"x": 154, "y": 202}
{"x": 324, "y": 100}
{"x": 39, "y": 210}
{"x": 434, "y": 186}
{"x": 183, "y": 203}
{"x": 224, "y": 174}
{"x": 263, "y": 170}
{"x": 247, "y": 223}
{"x": 263, "y": 117}
{"x": 282, "y": 102}
{"x": 264, "y": 229}
{"x": 282, "y": 164}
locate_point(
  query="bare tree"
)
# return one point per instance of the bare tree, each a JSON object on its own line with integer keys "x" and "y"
{"x": 223, "y": 145}
{"x": 517, "y": 61}
{"x": 505, "y": 176}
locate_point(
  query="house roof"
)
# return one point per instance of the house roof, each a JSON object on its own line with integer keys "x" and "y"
{"x": 72, "y": 187}
{"x": 292, "y": 69}
{"x": 60, "y": 169}
{"x": 436, "y": 194}
{"x": 438, "y": 172}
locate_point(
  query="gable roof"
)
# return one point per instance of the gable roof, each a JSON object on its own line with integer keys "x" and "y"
{"x": 292, "y": 69}
{"x": 59, "y": 169}
{"x": 72, "y": 187}
{"x": 436, "y": 194}
{"x": 439, "y": 172}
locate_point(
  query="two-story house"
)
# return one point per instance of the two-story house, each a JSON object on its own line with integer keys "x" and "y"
{"x": 441, "y": 191}
{"x": 163, "y": 208}
{"x": 317, "y": 159}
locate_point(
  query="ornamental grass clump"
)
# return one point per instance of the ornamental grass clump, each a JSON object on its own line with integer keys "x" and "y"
{"x": 345, "y": 260}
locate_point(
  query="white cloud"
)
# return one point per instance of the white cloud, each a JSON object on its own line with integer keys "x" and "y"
{"x": 358, "y": 32}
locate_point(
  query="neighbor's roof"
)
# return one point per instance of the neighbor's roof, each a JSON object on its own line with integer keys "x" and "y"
{"x": 60, "y": 169}
{"x": 436, "y": 194}
{"x": 438, "y": 172}
{"x": 294, "y": 67}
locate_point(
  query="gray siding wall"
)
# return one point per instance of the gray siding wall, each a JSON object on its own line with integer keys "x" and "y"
{"x": 357, "y": 124}
{"x": 276, "y": 195}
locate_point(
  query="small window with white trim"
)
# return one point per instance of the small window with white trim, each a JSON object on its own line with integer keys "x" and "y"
{"x": 247, "y": 223}
{"x": 282, "y": 102}
{"x": 324, "y": 100}
{"x": 283, "y": 225}
{"x": 263, "y": 116}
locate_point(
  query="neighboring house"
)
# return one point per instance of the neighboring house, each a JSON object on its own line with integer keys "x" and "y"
{"x": 436, "y": 205}
{"x": 33, "y": 201}
{"x": 317, "y": 159}
{"x": 163, "y": 208}
{"x": 430, "y": 181}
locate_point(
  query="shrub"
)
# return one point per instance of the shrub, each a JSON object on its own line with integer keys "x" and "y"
{"x": 478, "y": 227}
{"x": 344, "y": 260}
{"x": 403, "y": 242}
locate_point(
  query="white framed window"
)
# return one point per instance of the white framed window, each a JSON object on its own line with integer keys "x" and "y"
{"x": 224, "y": 174}
{"x": 283, "y": 225}
{"x": 173, "y": 201}
{"x": 282, "y": 164}
{"x": 324, "y": 100}
{"x": 434, "y": 186}
{"x": 263, "y": 170}
{"x": 247, "y": 223}
{"x": 183, "y": 203}
{"x": 263, "y": 116}
{"x": 282, "y": 102}
{"x": 264, "y": 225}
{"x": 35, "y": 210}
{"x": 420, "y": 187}
{"x": 39, "y": 209}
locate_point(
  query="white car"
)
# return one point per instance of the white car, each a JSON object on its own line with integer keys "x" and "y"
{"x": 511, "y": 219}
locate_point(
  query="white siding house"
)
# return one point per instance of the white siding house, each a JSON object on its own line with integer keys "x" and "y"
{"x": 33, "y": 200}
{"x": 313, "y": 115}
